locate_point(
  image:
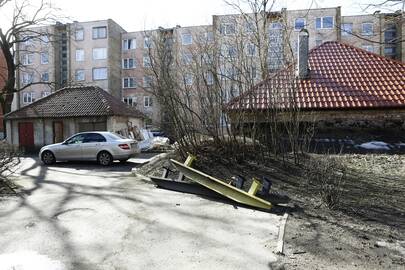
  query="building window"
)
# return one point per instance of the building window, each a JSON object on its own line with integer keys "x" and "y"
{"x": 99, "y": 32}
{"x": 129, "y": 44}
{"x": 99, "y": 74}
{"x": 128, "y": 63}
{"x": 227, "y": 29}
{"x": 79, "y": 34}
{"x": 79, "y": 55}
{"x": 390, "y": 51}
{"x": 45, "y": 93}
{"x": 347, "y": 29}
{"x": 231, "y": 51}
{"x": 79, "y": 75}
{"x": 27, "y": 59}
{"x": 209, "y": 36}
{"x": 129, "y": 82}
{"x": 27, "y": 78}
{"x": 367, "y": 29}
{"x": 147, "y": 43}
{"x": 147, "y": 81}
{"x": 188, "y": 79}
{"x": 99, "y": 53}
{"x": 147, "y": 101}
{"x": 187, "y": 58}
{"x": 368, "y": 47}
{"x": 253, "y": 72}
{"x": 318, "y": 42}
{"x": 186, "y": 39}
{"x": 251, "y": 49}
{"x": 131, "y": 101}
{"x": 28, "y": 97}
{"x": 210, "y": 78}
{"x": 390, "y": 33}
{"x": 324, "y": 22}
{"x": 44, "y": 39}
{"x": 299, "y": 23}
{"x": 45, "y": 77}
{"x": 44, "y": 58}
{"x": 250, "y": 27}
{"x": 146, "y": 61}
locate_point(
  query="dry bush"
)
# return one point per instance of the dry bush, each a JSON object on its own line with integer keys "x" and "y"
{"x": 326, "y": 177}
{"x": 9, "y": 159}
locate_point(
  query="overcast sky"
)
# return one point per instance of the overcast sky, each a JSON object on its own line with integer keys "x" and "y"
{"x": 135, "y": 15}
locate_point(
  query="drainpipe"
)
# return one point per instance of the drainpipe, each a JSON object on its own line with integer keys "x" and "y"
{"x": 303, "y": 51}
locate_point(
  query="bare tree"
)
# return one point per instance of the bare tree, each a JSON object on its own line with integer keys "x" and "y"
{"x": 25, "y": 26}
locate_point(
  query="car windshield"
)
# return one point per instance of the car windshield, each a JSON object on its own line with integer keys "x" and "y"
{"x": 115, "y": 136}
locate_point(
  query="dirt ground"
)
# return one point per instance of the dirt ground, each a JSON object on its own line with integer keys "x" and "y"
{"x": 365, "y": 231}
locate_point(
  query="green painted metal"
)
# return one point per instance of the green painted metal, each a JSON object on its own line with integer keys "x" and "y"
{"x": 221, "y": 187}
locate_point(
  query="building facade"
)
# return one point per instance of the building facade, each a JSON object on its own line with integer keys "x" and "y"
{"x": 102, "y": 53}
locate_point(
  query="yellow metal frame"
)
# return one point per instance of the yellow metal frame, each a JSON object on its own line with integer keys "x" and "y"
{"x": 223, "y": 188}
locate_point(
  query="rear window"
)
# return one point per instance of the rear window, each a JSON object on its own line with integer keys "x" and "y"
{"x": 114, "y": 136}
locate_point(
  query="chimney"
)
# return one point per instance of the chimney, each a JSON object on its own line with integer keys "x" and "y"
{"x": 303, "y": 49}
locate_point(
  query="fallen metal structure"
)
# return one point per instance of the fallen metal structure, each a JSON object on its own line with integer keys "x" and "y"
{"x": 222, "y": 188}
{"x": 206, "y": 185}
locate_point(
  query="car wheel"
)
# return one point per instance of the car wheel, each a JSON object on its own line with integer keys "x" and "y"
{"x": 104, "y": 158}
{"x": 48, "y": 158}
{"x": 124, "y": 160}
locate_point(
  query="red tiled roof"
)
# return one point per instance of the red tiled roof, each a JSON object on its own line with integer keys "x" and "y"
{"x": 76, "y": 101}
{"x": 341, "y": 77}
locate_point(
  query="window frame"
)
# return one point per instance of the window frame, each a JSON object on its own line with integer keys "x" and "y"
{"x": 295, "y": 23}
{"x": 79, "y": 30}
{"x": 125, "y": 43}
{"x": 344, "y": 31}
{"x": 148, "y": 104}
{"x": 183, "y": 39}
{"x": 128, "y": 81}
{"x": 97, "y": 50}
{"x": 77, "y": 71}
{"x": 224, "y": 29}
{"x": 322, "y": 23}
{"x": 42, "y": 76}
{"x": 363, "y": 33}
{"x": 126, "y": 60}
{"x": 97, "y": 35}
{"x": 100, "y": 68}
{"x": 82, "y": 53}
{"x": 42, "y": 55}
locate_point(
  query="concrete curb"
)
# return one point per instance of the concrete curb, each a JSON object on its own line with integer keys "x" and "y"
{"x": 152, "y": 161}
{"x": 281, "y": 232}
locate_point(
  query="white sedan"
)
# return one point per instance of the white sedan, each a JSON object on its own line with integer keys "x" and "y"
{"x": 103, "y": 147}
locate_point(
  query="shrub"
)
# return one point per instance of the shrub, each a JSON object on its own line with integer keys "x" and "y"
{"x": 326, "y": 177}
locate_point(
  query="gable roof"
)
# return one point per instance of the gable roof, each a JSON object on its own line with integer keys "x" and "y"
{"x": 341, "y": 77}
{"x": 76, "y": 101}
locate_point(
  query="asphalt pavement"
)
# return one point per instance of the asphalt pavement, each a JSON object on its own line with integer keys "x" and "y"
{"x": 78, "y": 215}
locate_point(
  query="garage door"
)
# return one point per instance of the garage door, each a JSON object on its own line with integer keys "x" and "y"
{"x": 92, "y": 126}
{"x": 26, "y": 135}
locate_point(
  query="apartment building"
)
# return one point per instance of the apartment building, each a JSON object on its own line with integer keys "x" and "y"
{"x": 102, "y": 53}
{"x": 379, "y": 33}
{"x": 86, "y": 53}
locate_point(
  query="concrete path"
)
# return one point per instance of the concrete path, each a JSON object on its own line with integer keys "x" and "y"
{"x": 82, "y": 216}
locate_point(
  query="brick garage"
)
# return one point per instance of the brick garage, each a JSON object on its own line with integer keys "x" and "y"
{"x": 346, "y": 89}
{"x": 66, "y": 112}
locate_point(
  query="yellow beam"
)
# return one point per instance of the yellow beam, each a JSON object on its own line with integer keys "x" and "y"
{"x": 221, "y": 187}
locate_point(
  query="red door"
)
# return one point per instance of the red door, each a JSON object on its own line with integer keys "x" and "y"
{"x": 26, "y": 134}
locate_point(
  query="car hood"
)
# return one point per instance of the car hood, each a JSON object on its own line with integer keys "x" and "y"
{"x": 49, "y": 146}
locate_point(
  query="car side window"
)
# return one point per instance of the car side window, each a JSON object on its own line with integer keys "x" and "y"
{"x": 94, "y": 137}
{"x": 76, "y": 139}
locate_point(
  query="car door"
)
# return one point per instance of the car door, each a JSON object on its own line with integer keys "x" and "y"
{"x": 92, "y": 144}
{"x": 71, "y": 149}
